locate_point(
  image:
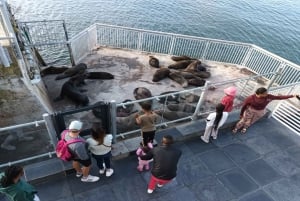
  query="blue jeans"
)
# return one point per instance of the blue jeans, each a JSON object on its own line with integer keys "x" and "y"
{"x": 103, "y": 158}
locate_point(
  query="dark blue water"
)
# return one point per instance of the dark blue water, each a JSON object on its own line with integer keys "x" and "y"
{"x": 271, "y": 24}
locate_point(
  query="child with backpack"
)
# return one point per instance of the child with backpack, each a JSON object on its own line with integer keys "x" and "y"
{"x": 73, "y": 147}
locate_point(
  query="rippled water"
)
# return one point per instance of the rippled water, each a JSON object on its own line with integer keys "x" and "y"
{"x": 271, "y": 24}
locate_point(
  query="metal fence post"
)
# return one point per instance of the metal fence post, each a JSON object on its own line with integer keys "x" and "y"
{"x": 275, "y": 76}
{"x": 201, "y": 100}
{"x": 50, "y": 128}
{"x": 68, "y": 44}
{"x": 113, "y": 119}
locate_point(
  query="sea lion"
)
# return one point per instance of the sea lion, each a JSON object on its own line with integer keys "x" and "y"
{"x": 182, "y": 107}
{"x": 177, "y": 77}
{"x": 180, "y": 58}
{"x": 196, "y": 81}
{"x": 172, "y": 115}
{"x": 79, "y": 68}
{"x": 53, "y": 70}
{"x": 126, "y": 110}
{"x": 160, "y": 74}
{"x": 142, "y": 93}
{"x": 154, "y": 62}
{"x": 172, "y": 98}
{"x": 190, "y": 97}
{"x": 99, "y": 75}
{"x": 180, "y": 64}
{"x": 70, "y": 90}
{"x": 195, "y": 66}
{"x": 201, "y": 74}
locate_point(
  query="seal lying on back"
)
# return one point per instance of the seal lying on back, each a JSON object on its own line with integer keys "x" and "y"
{"x": 161, "y": 74}
{"x": 70, "y": 90}
{"x": 180, "y": 58}
{"x": 154, "y": 62}
{"x": 180, "y": 64}
{"x": 79, "y": 68}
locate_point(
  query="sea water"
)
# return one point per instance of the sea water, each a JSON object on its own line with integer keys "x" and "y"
{"x": 271, "y": 24}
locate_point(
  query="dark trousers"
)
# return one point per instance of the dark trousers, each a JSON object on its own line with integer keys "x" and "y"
{"x": 148, "y": 137}
{"x": 103, "y": 158}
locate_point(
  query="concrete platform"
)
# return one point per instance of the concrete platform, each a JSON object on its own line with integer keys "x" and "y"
{"x": 262, "y": 165}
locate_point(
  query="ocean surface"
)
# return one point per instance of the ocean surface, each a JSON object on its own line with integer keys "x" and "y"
{"x": 271, "y": 24}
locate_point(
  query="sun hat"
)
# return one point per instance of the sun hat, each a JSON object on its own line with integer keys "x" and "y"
{"x": 231, "y": 91}
{"x": 75, "y": 125}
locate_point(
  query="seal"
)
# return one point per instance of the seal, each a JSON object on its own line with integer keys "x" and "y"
{"x": 79, "y": 68}
{"x": 99, "y": 75}
{"x": 177, "y": 77}
{"x": 196, "y": 81}
{"x": 180, "y": 58}
{"x": 53, "y": 70}
{"x": 126, "y": 110}
{"x": 175, "y": 98}
{"x": 154, "y": 62}
{"x": 160, "y": 74}
{"x": 182, "y": 107}
{"x": 70, "y": 90}
{"x": 142, "y": 93}
{"x": 180, "y": 64}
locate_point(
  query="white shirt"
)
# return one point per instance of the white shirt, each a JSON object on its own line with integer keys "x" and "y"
{"x": 212, "y": 116}
{"x": 100, "y": 149}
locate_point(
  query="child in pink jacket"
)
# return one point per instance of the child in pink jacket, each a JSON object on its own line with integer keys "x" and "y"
{"x": 228, "y": 99}
{"x": 141, "y": 151}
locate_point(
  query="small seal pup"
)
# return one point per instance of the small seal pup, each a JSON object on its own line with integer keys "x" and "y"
{"x": 160, "y": 74}
{"x": 79, "y": 68}
{"x": 154, "y": 62}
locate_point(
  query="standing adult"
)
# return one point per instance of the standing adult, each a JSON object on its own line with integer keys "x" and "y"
{"x": 14, "y": 187}
{"x": 80, "y": 152}
{"x": 100, "y": 146}
{"x": 147, "y": 123}
{"x": 254, "y": 108}
{"x": 165, "y": 160}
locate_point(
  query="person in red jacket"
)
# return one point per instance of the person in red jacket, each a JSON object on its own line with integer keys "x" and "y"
{"x": 228, "y": 99}
{"x": 254, "y": 108}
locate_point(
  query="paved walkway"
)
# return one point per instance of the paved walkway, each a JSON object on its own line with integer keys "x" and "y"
{"x": 263, "y": 165}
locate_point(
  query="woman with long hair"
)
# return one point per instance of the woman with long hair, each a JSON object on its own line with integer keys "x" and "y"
{"x": 14, "y": 187}
{"x": 213, "y": 122}
{"x": 100, "y": 145}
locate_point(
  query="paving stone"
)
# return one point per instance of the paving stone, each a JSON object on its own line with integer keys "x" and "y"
{"x": 261, "y": 144}
{"x": 194, "y": 127}
{"x": 257, "y": 196}
{"x": 217, "y": 161}
{"x": 225, "y": 137}
{"x": 237, "y": 182}
{"x": 240, "y": 153}
{"x": 104, "y": 192}
{"x": 120, "y": 150}
{"x": 178, "y": 195}
{"x": 294, "y": 153}
{"x": 211, "y": 189}
{"x": 262, "y": 172}
{"x": 169, "y": 131}
{"x": 282, "y": 162}
{"x": 198, "y": 146}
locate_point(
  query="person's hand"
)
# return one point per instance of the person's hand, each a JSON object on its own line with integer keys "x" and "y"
{"x": 136, "y": 115}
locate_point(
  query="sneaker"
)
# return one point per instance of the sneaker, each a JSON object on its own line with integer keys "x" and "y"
{"x": 90, "y": 178}
{"x": 204, "y": 140}
{"x": 109, "y": 172}
{"x": 78, "y": 174}
{"x": 101, "y": 171}
{"x": 149, "y": 191}
{"x": 159, "y": 185}
{"x": 214, "y": 137}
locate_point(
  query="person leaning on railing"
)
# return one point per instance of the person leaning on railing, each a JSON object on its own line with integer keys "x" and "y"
{"x": 254, "y": 108}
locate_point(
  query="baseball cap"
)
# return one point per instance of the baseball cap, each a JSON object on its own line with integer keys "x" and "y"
{"x": 75, "y": 125}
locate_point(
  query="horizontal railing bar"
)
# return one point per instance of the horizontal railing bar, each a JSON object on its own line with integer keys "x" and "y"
{"x": 22, "y": 125}
{"x": 37, "y": 21}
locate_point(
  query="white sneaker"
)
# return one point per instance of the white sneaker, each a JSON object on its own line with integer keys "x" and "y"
{"x": 159, "y": 185}
{"x": 149, "y": 191}
{"x": 78, "y": 174}
{"x": 204, "y": 140}
{"x": 109, "y": 172}
{"x": 90, "y": 178}
{"x": 214, "y": 137}
{"x": 101, "y": 171}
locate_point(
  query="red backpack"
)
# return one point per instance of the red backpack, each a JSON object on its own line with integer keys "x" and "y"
{"x": 62, "y": 147}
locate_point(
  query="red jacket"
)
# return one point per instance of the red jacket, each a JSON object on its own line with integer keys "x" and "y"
{"x": 227, "y": 101}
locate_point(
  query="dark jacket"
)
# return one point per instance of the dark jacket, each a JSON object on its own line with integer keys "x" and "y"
{"x": 165, "y": 159}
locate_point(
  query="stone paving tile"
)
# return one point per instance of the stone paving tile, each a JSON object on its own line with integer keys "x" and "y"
{"x": 261, "y": 144}
{"x": 225, "y": 138}
{"x": 257, "y": 196}
{"x": 279, "y": 139}
{"x": 104, "y": 192}
{"x": 294, "y": 153}
{"x": 217, "y": 161}
{"x": 282, "y": 162}
{"x": 198, "y": 146}
{"x": 179, "y": 195}
{"x": 237, "y": 182}
{"x": 240, "y": 153}
{"x": 261, "y": 172}
{"x": 169, "y": 131}
{"x": 285, "y": 189}
{"x": 211, "y": 189}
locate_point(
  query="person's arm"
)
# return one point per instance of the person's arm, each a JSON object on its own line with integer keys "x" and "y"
{"x": 148, "y": 156}
{"x": 247, "y": 102}
{"x": 281, "y": 97}
{"x": 138, "y": 119}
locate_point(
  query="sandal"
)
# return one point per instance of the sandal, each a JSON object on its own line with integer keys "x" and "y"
{"x": 235, "y": 130}
{"x": 244, "y": 130}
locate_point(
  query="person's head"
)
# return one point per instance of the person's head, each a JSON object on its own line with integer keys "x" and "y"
{"x": 261, "y": 92}
{"x": 146, "y": 106}
{"x": 75, "y": 127}
{"x": 167, "y": 140}
{"x": 12, "y": 174}
{"x": 220, "y": 108}
{"x": 98, "y": 134}
{"x": 230, "y": 91}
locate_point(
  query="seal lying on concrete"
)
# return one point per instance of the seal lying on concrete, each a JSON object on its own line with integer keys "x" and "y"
{"x": 182, "y": 107}
{"x": 201, "y": 74}
{"x": 142, "y": 93}
{"x": 53, "y": 70}
{"x": 177, "y": 77}
{"x": 154, "y": 62}
{"x": 196, "y": 81}
{"x": 160, "y": 74}
{"x": 180, "y": 58}
{"x": 172, "y": 98}
{"x": 195, "y": 66}
{"x": 79, "y": 68}
{"x": 99, "y": 75}
{"x": 71, "y": 91}
{"x": 126, "y": 110}
{"x": 180, "y": 64}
